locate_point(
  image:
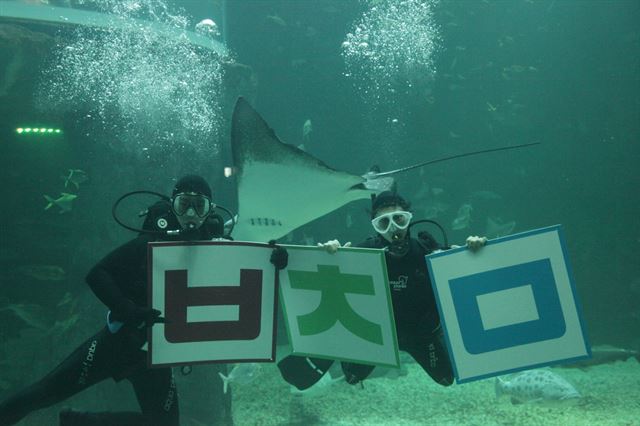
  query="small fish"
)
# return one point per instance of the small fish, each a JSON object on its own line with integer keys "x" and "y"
{"x": 275, "y": 21}
{"x": 321, "y": 387}
{"x": 64, "y": 202}
{"x": 66, "y": 299}
{"x": 496, "y": 228}
{"x": 307, "y": 129}
{"x": 515, "y": 68}
{"x": 76, "y": 177}
{"x": 32, "y": 315}
{"x": 463, "y": 218}
{"x": 62, "y": 326}
{"x": 434, "y": 210}
{"x": 43, "y": 272}
{"x": 431, "y": 212}
{"x": 536, "y": 386}
{"x": 242, "y": 373}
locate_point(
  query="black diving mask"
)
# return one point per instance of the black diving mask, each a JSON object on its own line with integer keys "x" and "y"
{"x": 200, "y": 204}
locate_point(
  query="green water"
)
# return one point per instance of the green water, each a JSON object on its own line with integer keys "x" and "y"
{"x": 137, "y": 112}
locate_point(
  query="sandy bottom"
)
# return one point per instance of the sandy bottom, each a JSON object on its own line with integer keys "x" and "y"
{"x": 611, "y": 396}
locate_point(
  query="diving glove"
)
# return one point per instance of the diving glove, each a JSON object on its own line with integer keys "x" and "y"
{"x": 332, "y": 246}
{"x": 129, "y": 313}
{"x": 279, "y": 256}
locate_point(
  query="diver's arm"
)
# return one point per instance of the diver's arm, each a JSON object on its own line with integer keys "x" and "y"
{"x": 102, "y": 278}
{"x": 104, "y": 287}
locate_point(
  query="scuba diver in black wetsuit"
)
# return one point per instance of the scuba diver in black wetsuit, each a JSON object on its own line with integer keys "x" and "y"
{"x": 416, "y": 317}
{"x": 119, "y": 280}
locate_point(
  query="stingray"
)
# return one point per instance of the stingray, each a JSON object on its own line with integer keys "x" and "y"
{"x": 281, "y": 187}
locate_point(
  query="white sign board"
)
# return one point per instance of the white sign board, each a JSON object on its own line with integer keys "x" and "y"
{"x": 510, "y": 306}
{"x": 218, "y": 299}
{"x": 338, "y": 306}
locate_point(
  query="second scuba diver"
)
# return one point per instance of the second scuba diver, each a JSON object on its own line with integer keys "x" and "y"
{"x": 416, "y": 316}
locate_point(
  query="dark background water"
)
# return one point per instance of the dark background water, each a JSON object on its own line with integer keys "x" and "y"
{"x": 565, "y": 73}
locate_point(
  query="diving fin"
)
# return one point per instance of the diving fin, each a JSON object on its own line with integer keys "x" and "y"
{"x": 303, "y": 372}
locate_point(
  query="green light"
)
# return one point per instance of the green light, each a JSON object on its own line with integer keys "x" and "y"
{"x": 47, "y": 130}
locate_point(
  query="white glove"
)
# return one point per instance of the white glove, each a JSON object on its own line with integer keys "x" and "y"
{"x": 332, "y": 246}
{"x": 474, "y": 243}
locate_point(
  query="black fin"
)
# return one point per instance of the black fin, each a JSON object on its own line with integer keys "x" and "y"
{"x": 303, "y": 372}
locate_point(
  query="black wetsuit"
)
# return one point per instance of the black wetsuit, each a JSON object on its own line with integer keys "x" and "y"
{"x": 416, "y": 317}
{"x": 121, "y": 275}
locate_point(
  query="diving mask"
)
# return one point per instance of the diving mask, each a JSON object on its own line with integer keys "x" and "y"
{"x": 400, "y": 219}
{"x": 200, "y": 204}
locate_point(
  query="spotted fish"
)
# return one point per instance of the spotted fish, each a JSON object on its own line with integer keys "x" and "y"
{"x": 536, "y": 386}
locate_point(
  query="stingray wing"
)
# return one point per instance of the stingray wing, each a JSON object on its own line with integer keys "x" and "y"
{"x": 281, "y": 187}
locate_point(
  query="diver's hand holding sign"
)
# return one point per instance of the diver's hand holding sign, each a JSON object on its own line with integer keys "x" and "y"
{"x": 332, "y": 246}
{"x": 129, "y": 313}
{"x": 279, "y": 256}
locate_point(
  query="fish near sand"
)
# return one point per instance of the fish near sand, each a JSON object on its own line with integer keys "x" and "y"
{"x": 242, "y": 373}
{"x": 537, "y": 387}
{"x": 64, "y": 202}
